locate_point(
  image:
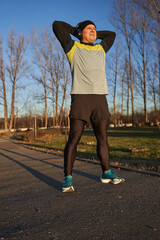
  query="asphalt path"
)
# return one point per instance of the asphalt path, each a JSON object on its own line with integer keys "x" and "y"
{"x": 33, "y": 207}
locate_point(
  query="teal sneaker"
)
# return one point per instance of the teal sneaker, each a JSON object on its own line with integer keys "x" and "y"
{"x": 111, "y": 177}
{"x": 67, "y": 184}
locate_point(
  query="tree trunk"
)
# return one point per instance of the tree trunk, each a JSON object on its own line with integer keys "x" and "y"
{"x": 2, "y": 74}
{"x": 5, "y": 109}
{"x": 131, "y": 79}
{"x": 46, "y": 114}
{"x": 154, "y": 100}
{"x": 122, "y": 98}
{"x": 61, "y": 112}
{"x": 12, "y": 106}
{"x": 53, "y": 108}
{"x": 128, "y": 101}
{"x": 5, "y": 105}
{"x": 144, "y": 89}
{"x": 114, "y": 99}
{"x": 56, "y": 123}
{"x": 159, "y": 78}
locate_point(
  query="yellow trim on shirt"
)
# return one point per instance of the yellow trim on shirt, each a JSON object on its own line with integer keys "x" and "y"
{"x": 96, "y": 47}
{"x": 71, "y": 52}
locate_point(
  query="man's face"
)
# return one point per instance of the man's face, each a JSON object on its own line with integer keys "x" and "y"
{"x": 89, "y": 34}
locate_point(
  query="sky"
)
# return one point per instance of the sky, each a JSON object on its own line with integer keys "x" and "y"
{"x": 28, "y": 14}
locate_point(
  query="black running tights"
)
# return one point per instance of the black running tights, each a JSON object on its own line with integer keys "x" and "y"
{"x": 76, "y": 130}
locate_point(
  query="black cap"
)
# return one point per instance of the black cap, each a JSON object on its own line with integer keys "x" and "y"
{"x": 84, "y": 24}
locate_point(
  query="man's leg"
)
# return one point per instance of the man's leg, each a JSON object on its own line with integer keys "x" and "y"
{"x": 70, "y": 151}
{"x": 100, "y": 131}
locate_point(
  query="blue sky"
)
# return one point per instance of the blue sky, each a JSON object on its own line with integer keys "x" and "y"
{"x": 29, "y": 14}
{"x": 26, "y": 15}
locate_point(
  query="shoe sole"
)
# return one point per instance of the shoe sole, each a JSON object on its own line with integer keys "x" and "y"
{"x": 105, "y": 180}
{"x": 112, "y": 181}
{"x": 122, "y": 180}
{"x": 69, "y": 189}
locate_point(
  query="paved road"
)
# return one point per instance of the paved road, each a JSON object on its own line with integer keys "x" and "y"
{"x": 33, "y": 207}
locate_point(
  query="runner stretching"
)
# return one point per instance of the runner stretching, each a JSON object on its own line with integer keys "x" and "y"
{"x": 88, "y": 93}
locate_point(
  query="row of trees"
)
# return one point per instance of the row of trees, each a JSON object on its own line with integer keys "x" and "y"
{"x": 136, "y": 58}
{"x": 134, "y": 69}
{"x": 48, "y": 69}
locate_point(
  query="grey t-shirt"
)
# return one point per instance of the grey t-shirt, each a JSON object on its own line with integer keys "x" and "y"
{"x": 87, "y": 64}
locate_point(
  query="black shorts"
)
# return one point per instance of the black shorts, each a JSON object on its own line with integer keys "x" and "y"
{"x": 89, "y": 107}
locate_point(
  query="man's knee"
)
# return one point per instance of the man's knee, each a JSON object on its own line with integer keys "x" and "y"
{"x": 101, "y": 139}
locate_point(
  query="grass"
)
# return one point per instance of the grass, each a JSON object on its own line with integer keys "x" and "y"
{"x": 145, "y": 140}
{"x": 135, "y": 147}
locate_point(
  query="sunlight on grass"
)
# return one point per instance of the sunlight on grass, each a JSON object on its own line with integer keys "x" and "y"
{"x": 145, "y": 141}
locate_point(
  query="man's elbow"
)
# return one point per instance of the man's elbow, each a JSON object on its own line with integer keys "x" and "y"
{"x": 114, "y": 36}
{"x": 54, "y": 25}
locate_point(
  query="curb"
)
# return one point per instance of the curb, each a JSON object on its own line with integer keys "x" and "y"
{"x": 156, "y": 174}
{"x": 122, "y": 167}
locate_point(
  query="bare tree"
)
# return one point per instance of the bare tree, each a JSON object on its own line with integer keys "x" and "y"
{"x": 18, "y": 66}
{"x": 58, "y": 69}
{"x": 40, "y": 47}
{"x": 115, "y": 67}
{"x": 122, "y": 93}
{"x": 159, "y": 76}
{"x": 153, "y": 84}
{"x": 127, "y": 84}
{"x": 152, "y": 9}
{"x": 157, "y": 57}
{"x": 122, "y": 87}
{"x": 57, "y": 80}
{"x": 54, "y": 65}
{"x": 3, "y": 90}
{"x": 51, "y": 85}
{"x": 122, "y": 19}
{"x": 64, "y": 85}
{"x": 141, "y": 22}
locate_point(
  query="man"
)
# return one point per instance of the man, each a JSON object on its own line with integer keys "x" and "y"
{"x": 88, "y": 93}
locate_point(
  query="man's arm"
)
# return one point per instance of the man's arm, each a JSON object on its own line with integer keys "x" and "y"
{"x": 62, "y": 31}
{"x": 107, "y": 37}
